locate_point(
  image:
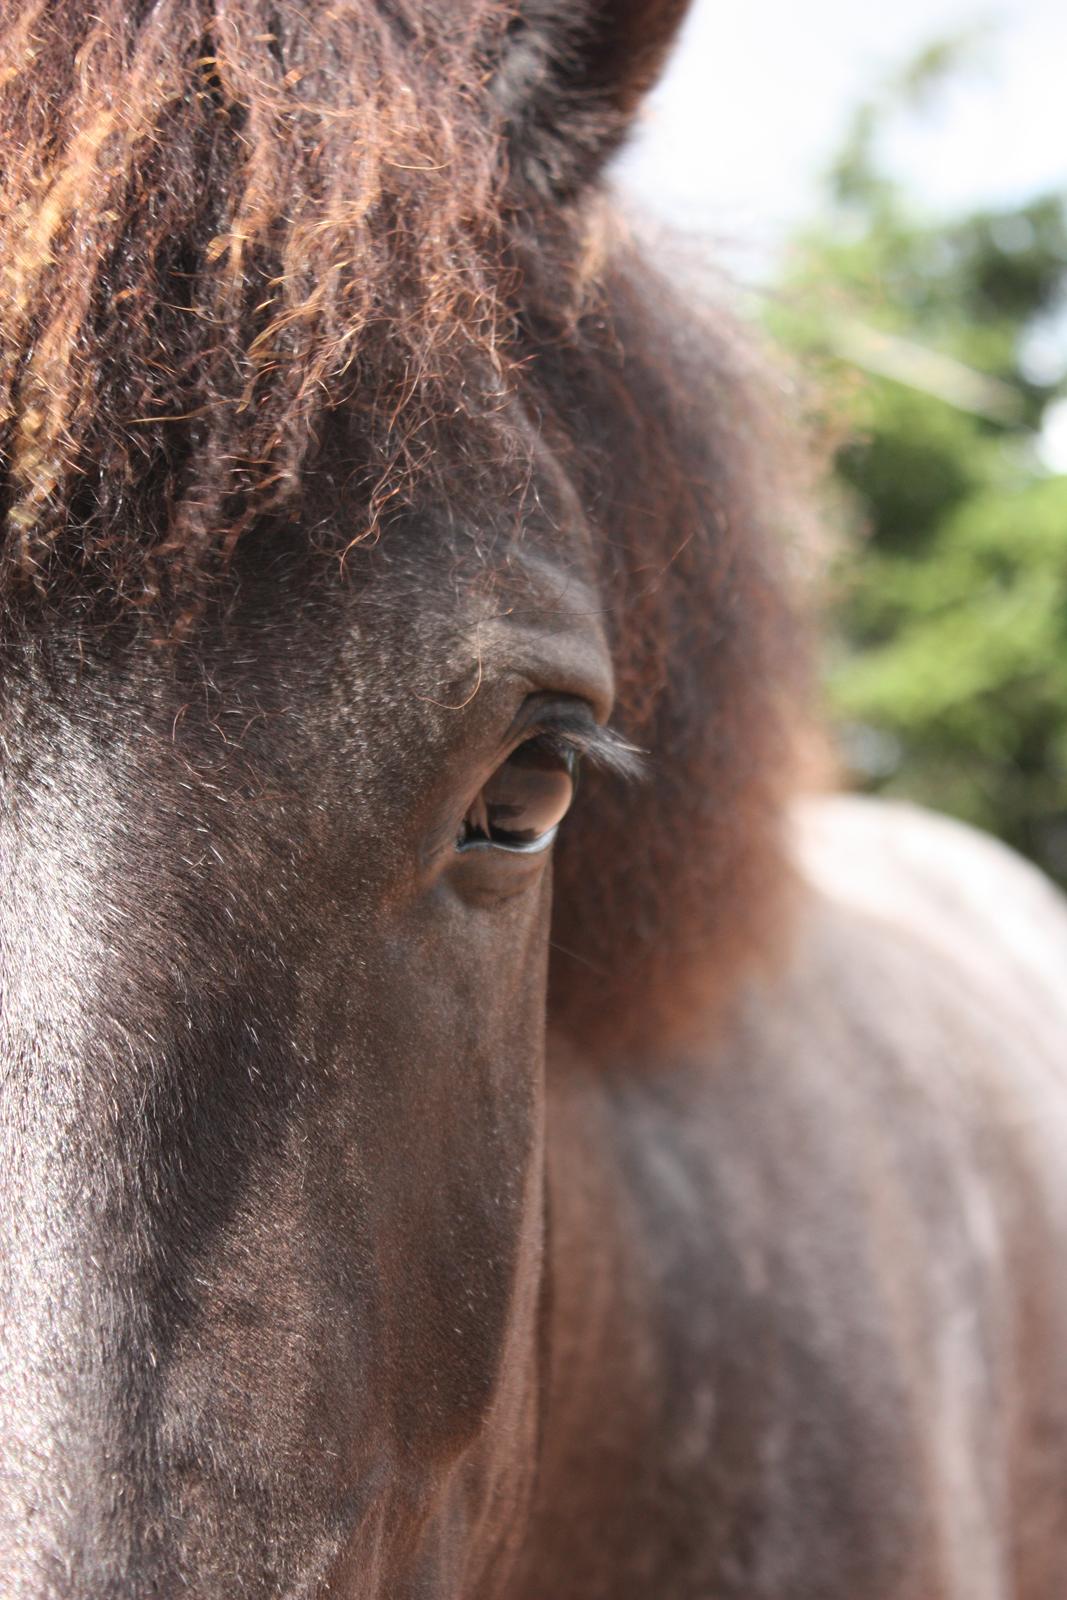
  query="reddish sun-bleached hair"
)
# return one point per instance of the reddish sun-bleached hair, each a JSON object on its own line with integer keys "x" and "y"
{"x": 223, "y": 222}
{"x": 219, "y": 219}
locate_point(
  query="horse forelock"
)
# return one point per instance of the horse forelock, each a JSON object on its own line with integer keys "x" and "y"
{"x": 219, "y": 219}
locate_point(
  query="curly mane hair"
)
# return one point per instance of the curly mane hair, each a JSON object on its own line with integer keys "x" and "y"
{"x": 222, "y": 220}
{"x": 218, "y": 219}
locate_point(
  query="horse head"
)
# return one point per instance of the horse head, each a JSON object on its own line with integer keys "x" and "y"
{"x": 359, "y": 488}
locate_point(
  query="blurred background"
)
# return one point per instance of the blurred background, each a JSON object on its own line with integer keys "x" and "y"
{"x": 889, "y": 187}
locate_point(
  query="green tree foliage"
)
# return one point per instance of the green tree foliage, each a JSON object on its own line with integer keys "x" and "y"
{"x": 931, "y": 343}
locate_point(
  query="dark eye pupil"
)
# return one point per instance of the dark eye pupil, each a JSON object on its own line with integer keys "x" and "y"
{"x": 525, "y": 800}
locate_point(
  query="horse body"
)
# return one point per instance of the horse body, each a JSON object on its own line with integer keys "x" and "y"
{"x": 400, "y": 1202}
{"x": 820, "y": 1349}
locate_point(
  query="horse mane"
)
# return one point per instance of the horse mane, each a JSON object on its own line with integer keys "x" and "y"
{"x": 222, "y": 221}
{"x": 668, "y": 891}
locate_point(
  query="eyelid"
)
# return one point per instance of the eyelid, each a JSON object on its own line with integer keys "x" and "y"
{"x": 535, "y": 847}
{"x": 572, "y": 726}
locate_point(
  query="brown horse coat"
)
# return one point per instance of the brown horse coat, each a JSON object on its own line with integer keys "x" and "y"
{"x": 822, "y": 1349}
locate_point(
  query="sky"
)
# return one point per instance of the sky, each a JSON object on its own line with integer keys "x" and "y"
{"x": 757, "y": 97}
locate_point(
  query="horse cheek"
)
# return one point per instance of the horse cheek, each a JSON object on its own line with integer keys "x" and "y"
{"x": 449, "y": 1123}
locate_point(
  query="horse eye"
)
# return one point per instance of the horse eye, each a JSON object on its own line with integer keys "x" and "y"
{"x": 524, "y": 802}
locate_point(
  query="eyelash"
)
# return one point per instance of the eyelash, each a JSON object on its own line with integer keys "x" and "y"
{"x": 601, "y": 747}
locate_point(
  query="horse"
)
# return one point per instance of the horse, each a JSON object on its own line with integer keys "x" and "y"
{"x": 474, "y": 1124}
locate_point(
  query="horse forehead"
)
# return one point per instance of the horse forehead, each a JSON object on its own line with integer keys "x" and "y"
{"x": 389, "y": 641}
